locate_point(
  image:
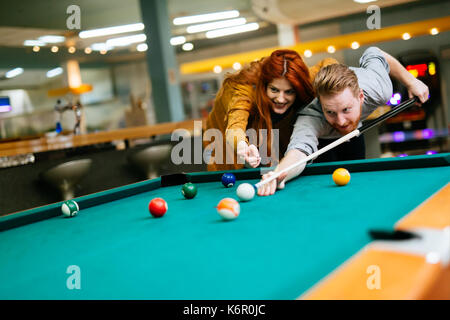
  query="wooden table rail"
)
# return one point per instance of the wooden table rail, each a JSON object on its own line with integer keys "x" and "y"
{"x": 72, "y": 141}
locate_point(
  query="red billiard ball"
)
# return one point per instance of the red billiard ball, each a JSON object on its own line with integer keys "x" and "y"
{"x": 157, "y": 207}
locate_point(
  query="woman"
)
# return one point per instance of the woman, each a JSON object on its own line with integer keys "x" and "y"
{"x": 263, "y": 96}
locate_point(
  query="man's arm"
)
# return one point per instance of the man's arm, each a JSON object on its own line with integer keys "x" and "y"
{"x": 415, "y": 86}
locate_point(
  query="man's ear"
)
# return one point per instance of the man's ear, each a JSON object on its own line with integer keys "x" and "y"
{"x": 361, "y": 96}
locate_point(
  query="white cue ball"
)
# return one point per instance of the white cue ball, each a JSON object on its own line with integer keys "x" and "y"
{"x": 245, "y": 192}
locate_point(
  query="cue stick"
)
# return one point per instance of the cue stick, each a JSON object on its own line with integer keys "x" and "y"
{"x": 347, "y": 137}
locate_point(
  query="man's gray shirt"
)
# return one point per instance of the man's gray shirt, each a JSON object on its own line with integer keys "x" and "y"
{"x": 373, "y": 79}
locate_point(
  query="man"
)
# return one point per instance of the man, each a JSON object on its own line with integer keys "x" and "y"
{"x": 345, "y": 97}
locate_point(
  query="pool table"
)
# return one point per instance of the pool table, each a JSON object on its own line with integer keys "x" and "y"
{"x": 308, "y": 241}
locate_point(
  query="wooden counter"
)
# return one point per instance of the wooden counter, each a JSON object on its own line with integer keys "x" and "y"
{"x": 72, "y": 141}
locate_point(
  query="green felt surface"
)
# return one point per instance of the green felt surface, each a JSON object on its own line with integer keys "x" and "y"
{"x": 277, "y": 248}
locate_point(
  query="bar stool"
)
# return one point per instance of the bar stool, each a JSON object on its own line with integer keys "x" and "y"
{"x": 149, "y": 160}
{"x": 65, "y": 176}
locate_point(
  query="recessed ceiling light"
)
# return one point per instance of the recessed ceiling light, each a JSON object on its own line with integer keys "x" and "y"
{"x": 54, "y": 72}
{"x": 237, "y": 66}
{"x": 32, "y": 43}
{"x": 434, "y": 31}
{"x": 100, "y": 46}
{"x": 406, "y": 36}
{"x": 111, "y": 30}
{"x": 216, "y": 25}
{"x": 355, "y": 45}
{"x": 364, "y": 1}
{"x": 36, "y": 48}
{"x": 217, "y": 69}
{"x": 175, "y": 41}
{"x": 141, "y": 47}
{"x": 232, "y": 30}
{"x": 187, "y": 46}
{"x": 307, "y": 53}
{"x": 87, "y": 50}
{"x": 14, "y": 73}
{"x": 331, "y": 49}
{"x": 206, "y": 17}
{"x": 72, "y": 49}
{"x": 52, "y": 39}
{"x": 126, "y": 41}
{"x": 54, "y": 49}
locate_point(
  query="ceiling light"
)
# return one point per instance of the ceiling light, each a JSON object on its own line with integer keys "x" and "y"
{"x": 217, "y": 69}
{"x": 54, "y": 72}
{"x": 355, "y": 45}
{"x": 100, "y": 46}
{"x": 125, "y": 41}
{"x": 307, "y": 53}
{"x": 406, "y": 36}
{"x": 237, "y": 66}
{"x": 14, "y": 73}
{"x": 111, "y": 30}
{"x": 177, "y": 40}
{"x": 434, "y": 31}
{"x": 216, "y": 25}
{"x": 187, "y": 46}
{"x": 206, "y": 17}
{"x": 232, "y": 30}
{"x": 331, "y": 49}
{"x": 52, "y": 39}
{"x": 72, "y": 49}
{"x": 103, "y": 51}
{"x": 87, "y": 50}
{"x": 141, "y": 47}
{"x": 32, "y": 43}
{"x": 36, "y": 48}
{"x": 54, "y": 49}
{"x": 364, "y": 1}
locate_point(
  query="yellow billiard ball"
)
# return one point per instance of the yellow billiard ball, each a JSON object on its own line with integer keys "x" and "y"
{"x": 341, "y": 176}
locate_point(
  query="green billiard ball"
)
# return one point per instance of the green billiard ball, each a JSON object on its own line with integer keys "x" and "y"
{"x": 189, "y": 190}
{"x": 70, "y": 208}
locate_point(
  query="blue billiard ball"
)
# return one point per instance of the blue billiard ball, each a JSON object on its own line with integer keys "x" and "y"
{"x": 228, "y": 179}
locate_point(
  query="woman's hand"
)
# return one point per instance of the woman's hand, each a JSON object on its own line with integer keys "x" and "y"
{"x": 248, "y": 154}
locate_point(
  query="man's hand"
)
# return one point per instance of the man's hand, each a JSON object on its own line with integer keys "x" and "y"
{"x": 418, "y": 89}
{"x": 292, "y": 157}
{"x": 249, "y": 154}
{"x": 415, "y": 86}
{"x": 270, "y": 187}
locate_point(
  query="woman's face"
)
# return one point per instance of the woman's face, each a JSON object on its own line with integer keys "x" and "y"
{"x": 281, "y": 94}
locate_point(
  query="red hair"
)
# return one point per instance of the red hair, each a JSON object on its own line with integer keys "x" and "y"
{"x": 287, "y": 64}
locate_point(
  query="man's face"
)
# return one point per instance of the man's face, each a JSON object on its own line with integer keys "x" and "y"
{"x": 281, "y": 94}
{"x": 343, "y": 110}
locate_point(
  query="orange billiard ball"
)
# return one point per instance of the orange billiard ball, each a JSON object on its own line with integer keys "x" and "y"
{"x": 341, "y": 176}
{"x": 228, "y": 209}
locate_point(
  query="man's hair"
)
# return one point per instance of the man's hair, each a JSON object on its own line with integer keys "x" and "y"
{"x": 335, "y": 78}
